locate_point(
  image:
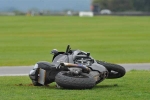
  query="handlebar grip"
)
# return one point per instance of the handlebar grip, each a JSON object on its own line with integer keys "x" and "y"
{"x": 68, "y": 47}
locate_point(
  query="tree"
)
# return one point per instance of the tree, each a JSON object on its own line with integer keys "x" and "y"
{"x": 124, "y": 5}
{"x": 141, "y": 5}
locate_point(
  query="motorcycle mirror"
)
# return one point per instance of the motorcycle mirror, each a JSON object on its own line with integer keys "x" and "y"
{"x": 54, "y": 51}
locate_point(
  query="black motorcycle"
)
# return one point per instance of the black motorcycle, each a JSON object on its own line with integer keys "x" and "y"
{"x": 74, "y": 69}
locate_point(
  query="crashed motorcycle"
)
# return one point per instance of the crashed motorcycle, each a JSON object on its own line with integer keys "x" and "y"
{"x": 74, "y": 69}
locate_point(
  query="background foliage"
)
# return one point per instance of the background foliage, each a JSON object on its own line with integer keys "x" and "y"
{"x": 124, "y": 5}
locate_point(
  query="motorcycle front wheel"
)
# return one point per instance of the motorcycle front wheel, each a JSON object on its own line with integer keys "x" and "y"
{"x": 115, "y": 71}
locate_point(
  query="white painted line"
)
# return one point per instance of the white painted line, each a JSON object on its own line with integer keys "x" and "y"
{"x": 14, "y": 75}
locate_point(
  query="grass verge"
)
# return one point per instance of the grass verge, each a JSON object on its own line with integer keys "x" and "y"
{"x": 26, "y": 40}
{"x": 133, "y": 86}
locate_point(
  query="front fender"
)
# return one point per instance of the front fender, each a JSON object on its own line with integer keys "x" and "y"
{"x": 98, "y": 67}
{"x": 101, "y": 69}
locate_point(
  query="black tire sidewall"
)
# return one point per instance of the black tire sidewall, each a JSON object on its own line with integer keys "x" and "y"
{"x": 73, "y": 82}
{"x": 113, "y": 67}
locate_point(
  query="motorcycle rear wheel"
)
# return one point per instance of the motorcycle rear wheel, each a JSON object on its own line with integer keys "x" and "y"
{"x": 83, "y": 81}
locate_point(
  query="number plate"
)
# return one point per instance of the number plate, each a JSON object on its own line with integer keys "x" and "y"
{"x": 42, "y": 74}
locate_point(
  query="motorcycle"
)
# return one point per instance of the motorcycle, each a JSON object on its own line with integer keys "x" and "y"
{"x": 74, "y": 69}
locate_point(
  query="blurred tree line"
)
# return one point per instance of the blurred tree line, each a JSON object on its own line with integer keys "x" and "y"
{"x": 124, "y": 5}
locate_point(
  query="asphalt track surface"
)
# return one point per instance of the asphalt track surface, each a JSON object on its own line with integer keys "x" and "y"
{"x": 24, "y": 70}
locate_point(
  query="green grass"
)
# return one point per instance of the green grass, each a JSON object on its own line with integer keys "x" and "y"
{"x": 26, "y": 40}
{"x": 133, "y": 86}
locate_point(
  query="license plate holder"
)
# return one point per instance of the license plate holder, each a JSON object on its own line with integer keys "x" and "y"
{"x": 41, "y": 78}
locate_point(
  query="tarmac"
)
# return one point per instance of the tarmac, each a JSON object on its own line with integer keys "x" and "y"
{"x": 24, "y": 70}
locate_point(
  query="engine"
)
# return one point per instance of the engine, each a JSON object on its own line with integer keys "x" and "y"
{"x": 88, "y": 61}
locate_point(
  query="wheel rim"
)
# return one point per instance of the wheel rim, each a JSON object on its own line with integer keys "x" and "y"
{"x": 69, "y": 74}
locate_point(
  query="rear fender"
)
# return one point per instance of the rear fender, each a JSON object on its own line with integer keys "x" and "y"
{"x": 50, "y": 72}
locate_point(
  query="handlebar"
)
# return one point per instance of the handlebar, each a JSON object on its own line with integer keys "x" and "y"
{"x": 68, "y": 49}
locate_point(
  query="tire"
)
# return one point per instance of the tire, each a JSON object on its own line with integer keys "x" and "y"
{"x": 65, "y": 80}
{"x": 115, "y": 71}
